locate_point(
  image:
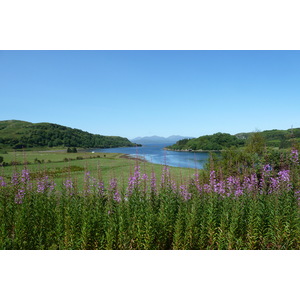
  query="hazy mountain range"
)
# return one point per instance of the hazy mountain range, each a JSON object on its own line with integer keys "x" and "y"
{"x": 158, "y": 139}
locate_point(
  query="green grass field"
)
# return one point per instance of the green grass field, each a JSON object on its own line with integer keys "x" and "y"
{"x": 61, "y": 165}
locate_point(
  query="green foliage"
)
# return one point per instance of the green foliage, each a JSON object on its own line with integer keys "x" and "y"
{"x": 256, "y": 143}
{"x": 236, "y": 161}
{"x": 19, "y": 135}
{"x": 72, "y": 150}
{"x": 217, "y": 141}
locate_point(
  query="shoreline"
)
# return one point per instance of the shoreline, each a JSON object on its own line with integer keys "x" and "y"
{"x": 128, "y": 156}
{"x": 199, "y": 151}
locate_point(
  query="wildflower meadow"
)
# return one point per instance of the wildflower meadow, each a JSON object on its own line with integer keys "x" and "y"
{"x": 257, "y": 209}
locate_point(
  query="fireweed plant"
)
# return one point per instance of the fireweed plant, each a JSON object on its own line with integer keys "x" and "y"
{"x": 216, "y": 210}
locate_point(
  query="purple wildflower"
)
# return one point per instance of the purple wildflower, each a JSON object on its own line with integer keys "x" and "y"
{"x": 284, "y": 175}
{"x": 137, "y": 173}
{"x": 264, "y": 178}
{"x": 15, "y": 179}
{"x": 20, "y": 196}
{"x": 197, "y": 182}
{"x": 113, "y": 187}
{"x": 145, "y": 179}
{"x": 87, "y": 184}
{"x": 100, "y": 188}
{"x": 45, "y": 184}
{"x": 117, "y": 196}
{"x": 274, "y": 185}
{"x": 250, "y": 184}
{"x": 206, "y": 188}
{"x": 230, "y": 185}
{"x": 165, "y": 177}
{"x": 247, "y": 184}
{"x": 184, "y": 192}
{"x": 238, "y": 192}
{"x": 294, "y": 156}
{"x": 131, "y": 185}
{"x": 87, "y": 176}
{"x": 238, "y": 189}
{"x": 113, "y": 184}
{"x": 69, "y": 186}
{"x": 25, "y": 177}
{"x": 212, "y": 181}
{"x": 284, "y": 179}
{"x": 2, "y": 181}
{"x": 173, "y": 186}
{"x": 52, "y": 186}
{"x": 134, "y": 181}
{"x": 253, "y": 182}
{"x": 234, "y": 186}
{"x": 220, "y": 187}
{"x": 153, "y": 183}
{"x": 297, "y": 194}
{"x": 41, "y": 186}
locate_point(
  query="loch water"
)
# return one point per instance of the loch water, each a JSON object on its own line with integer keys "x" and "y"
{"x": 156, "y": 154}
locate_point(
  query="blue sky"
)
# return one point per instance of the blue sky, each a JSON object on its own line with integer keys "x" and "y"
{"x": 142, "y": 93}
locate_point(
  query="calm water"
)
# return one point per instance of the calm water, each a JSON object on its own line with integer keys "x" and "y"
{"x": 157, "y": 155}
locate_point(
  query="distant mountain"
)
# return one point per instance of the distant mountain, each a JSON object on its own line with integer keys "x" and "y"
{"x": 158, "y": 139}
{"x": 20, "y": 134}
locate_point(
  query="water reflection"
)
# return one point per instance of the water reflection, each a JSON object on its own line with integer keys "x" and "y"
{"x": 157, "y": 155}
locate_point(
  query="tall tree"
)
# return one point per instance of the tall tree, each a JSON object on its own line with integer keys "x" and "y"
{"x": 256, "y": 143}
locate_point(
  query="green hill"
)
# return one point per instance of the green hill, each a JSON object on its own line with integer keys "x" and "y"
{"x": 20, "y": 134}
{"x": 277, "y": 138}
{"x": 219, "y": 141}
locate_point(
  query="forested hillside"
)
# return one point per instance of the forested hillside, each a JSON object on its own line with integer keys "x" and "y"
{"x": 20, "y": 134}
{"x": 219, "y": 141}
{"x": 277, "y": 138}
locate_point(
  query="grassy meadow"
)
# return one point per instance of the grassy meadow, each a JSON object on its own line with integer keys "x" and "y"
{"x": 60, "y": 165}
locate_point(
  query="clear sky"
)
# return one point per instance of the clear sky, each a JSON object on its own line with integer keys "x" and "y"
{"x": 142, "y": 93}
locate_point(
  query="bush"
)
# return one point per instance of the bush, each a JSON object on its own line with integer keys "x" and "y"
{"x": 72, "y": 150}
